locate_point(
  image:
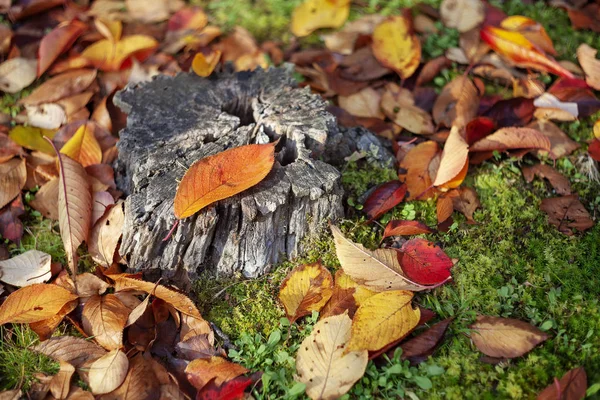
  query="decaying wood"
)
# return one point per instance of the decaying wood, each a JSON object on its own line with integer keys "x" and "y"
{"x": 173, "y": 122}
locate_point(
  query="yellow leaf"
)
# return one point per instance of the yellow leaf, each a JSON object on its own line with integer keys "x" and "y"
{"x": 221, "y": 176}
{"x": 33, "y": 138}
{"x": 347, "y": 296}
{"x": 204, "y": 65}
{"x": 307, "y": 288}
{"x": 83, "y": 147}
{"x": 531, "y": 29}
{"x": 396, "y": 47}
{"x": 314, "y": 14}
{"x": 108, "y": 55}
{"x": 34, "y": 303}
{"x": 383, "y": 319}
{"x": 597, "y": 129}
{"x": 323, "y": 365}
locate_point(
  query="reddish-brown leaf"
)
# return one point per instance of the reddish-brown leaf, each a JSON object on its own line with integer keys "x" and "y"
{"x": 457, "y": 104}
{"x": 424, "y": 262}
{"x": 230, "y": 390}
{"x": 387, "y": 196}
{"x": 466, "y": 202}
{"x": 560, "y": 144}
{"x": 405, "y": 228}
{"x": 61, "y": 86}
{"x": 199, "y": 372}
{"x": 445, "y": 206}
{"x": 517, "y": 111}
{"x": 558, "y": 181}
{"x": 567, "y": 213}
{"x": 8, "y": 148}
{"x": 57, "y": 42}
{"x": 11, "y": 227}
{"x": 513, "y": 138}
{"x": 420, "y": 347}
{"x": 479, "y": 128}
{"x": 572, "y": 386}
{"x": 13, "y": 175}
{"x": 415, "y": 172}
{"x": 347, "y": 296}
{"x": 594, "y": 149}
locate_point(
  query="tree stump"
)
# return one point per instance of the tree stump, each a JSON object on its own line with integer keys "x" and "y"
{"x": 174, "y": 121}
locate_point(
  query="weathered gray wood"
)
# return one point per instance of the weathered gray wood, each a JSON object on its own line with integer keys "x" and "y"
{"x": 173, "y": 122}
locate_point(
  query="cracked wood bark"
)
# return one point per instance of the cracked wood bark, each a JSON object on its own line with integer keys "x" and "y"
{"x": 173, "y": 122}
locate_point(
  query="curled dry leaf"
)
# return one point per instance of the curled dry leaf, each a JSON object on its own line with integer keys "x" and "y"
{"x": 108, "y": 372}
{"x": 457, "y": 104}
{"x": 13, "y": 175}
{"x": 61, "y": 86}
{"x": 221, "y": 176}
{"x": 454, "y": 158}
{"x": 59, "y": 40}
{"x": 590, "y": 64}
{"x": 512, "y": 138}
{"x": 463, "y": 15}
{"x": 325, "y": 363}
{"x": 567, "y": 213}
{"x": 74, "y": 350}
{"x": 420, "y": 347}
{"x": 315, "y": 14}
{"x": 28, "y": 268}
{"x": 377, "y": 270}
{"x": 424, "y": 262}
{"x": 552, "y": 108}
{"x": 558, "y": 181}
{"x": 16, "y": 74}
{"x": 200, "y": 371}
{"x": 90, "y": 285}
{"x": 444, "y": 206}
{"x": 395, "y": 46}
{"x": 203, "y": 65}
{"x": 83, "y": 147}
{"x": 405, "y": 228}
{"x": 383, "y": 319}
{"x": 466, "y": 202}
{"x": 572, "y": 386}
{"x": 347, "y": 296}
{"x": 106, "y": 234}
{"x": 387, "y": 196}
{"x": 60, "y": 384}
{"x": 34, "y": 303}
{"x": 505, "y": 337}
{"x": 307, "y": 288}
{"x": 364, "y": 103}
{"x": 46, "y": 116}
{"x": 104, "y": 318}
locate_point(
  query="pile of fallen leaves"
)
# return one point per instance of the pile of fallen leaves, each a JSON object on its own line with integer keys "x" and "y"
{"x": 141, "y": 339}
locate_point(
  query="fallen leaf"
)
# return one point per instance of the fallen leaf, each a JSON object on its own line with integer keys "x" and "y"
{"x": 382, "y": 319}
{"x": 101, "y": 201}
{"x": 200, "y": 371}
{"x": 60, "y": 384}
{"x": 139, "y": 383}
{"x": 13, "y": 175}
{"x": 512, "y": 138}
{"x": 555, "y": 109}
{"x": 478, "y": 128}
{"x": 90, "y": 285}
{"x": 466, "y": 202}
{"x": 594, "y": 149}
{"x": 315, "y": 14}
{"x": 531, "y": 29}
{"x": 364, "y": 103}
{"x": 572, "y": 386}
{"x": 505, "y": 337}
{"x": 396, "y": 47}
{"x": 74, "y": 208}
{"x": 148, "y": 13}
{"x": 16, "y": 74}
{"x": 463, "y": 15}
{"x": 188, "y": 18}
{"x": 558, "y": 181}
{"x": 11, "y": 227}
{"x": 104, "y": 318}
{"x": 32, "y": 138}
{"x": 28, "y": 268}
{"x": 108, "y": 372}
{"x": 387, "y": 196}
{"x": 517, "y": 111}
{"x": 560, "y": 143}
{"x": 591, "y": 66}
{"x": 60, "y": 86}
{"x": 221, "y": 176}
{"x": 454, "y": 157}
{"x": 59, "y": 40}
{"x": 230, "y": 390}
{"x": 8, "y": 148}
{"x": 343, "y": 41}
{"x": 377, "y": 270}
{"x": 46, "y": 200}
{"x": 15, "y": 394}
{"x": 420, "y": 347}
{"x": 457, "y": 104}
{"x": 109, "y": 55}
{"x": 415, "y": 170}
{"x": 106, "y": 234}
{"x": 34, "y": 303}
{"x": 45, "y": 328}
{"x": 204, "y": 65}
{"x": 74, "y": 350}
{"x": 347, "y": 296}
{"x": 567, "y": 213}
{"x": 398, "y": 104}
{"x": 424, "y": 262}
{"x": 325, "y": 363}
{"x": 431, "y": 69}
{"x": 445, "y": 206}
{"x": 306, "y": 289}
{"x": 198, "y": 346}
{"x": 83, "y": 147}
{"x": 46, "y": 116}
{"x": 405, "y": 228}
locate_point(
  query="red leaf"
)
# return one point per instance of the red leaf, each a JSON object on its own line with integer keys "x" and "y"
{"x": 479, "y": 128}
{"x": 405, "y": 228}
{"x": 230, "y": 390}
{"x": 57, "y": 42}
{"x": 517, "y": 111}
{"x": 572, "y": 386}
{"x": 384, "y": 198}
{"x": 424, "y": 262}
{"x": 594, "y": 149}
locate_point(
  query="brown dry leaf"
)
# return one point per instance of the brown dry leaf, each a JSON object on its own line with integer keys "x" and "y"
{"x": 324, "y": 365}
{"x": 140, "y": 383}
{"x": 457, "y": 104}
{"x": 377, "y": 270}
{"x": 83, "y": 147}
{"x": 420, "y": 347}
{"x": 251, "y": 61}
{"x": 177, "y": 300}
{"x": 466, "y": 202}
{"x": 138, "y": 311}
{"x": 46, "y": 327}
{"x": 560, "y": 144}
{"x": 396, "y": 47}
{"x": 13, "y": 175}
{"x": 61, "y": 86}
{"x": 46, "y": 116}
{"x": 415, "y": 170}
{"x": 383, "y": 319}
{"x": 315, "y": 14}
{"x": 405, "y": 228}
{"x": 148, "y": 12}
{"x": 59, "y": 40}
{"x": 558, "y": 181}
{"x": 445, "y": 206}
{"x": 398, "y": 104}
{"x": 104, "y": 317}
{"x": 90, "y": 285}
{"x": 106, "y": 234}
{"x": 454, "y": 157}
{"x": 343, "y": 41}
{"x": 74, "y": 207}
{"x": 108, "y": 372}
{"x": 191, "y": 326}
{"x": 16, "y": 74}
{"x": 203, "y": 65}
{"x": 8, "y": 148}
{"x": 221, "y": 176}
{"x": 347, "y": 296}
{"x": 550, "y": 107}
{"x": 28, "y": 268}
{"x": 74, "y": 350}
{"x": 591, "y": 66}
{"x": 567, "y": 213}
{"x": 34, "y": 303}
{"x": 364, "y": 103}
{"x": 572, "y": 386}
{"x": 15, "y": 394}
{"x": 431, "y": 69}
{"x": 60, "y": 384}
{"x": 463, "y": 15}
{"x": 512, "y": 138}
{"x": 306, "y": 289}
{"x": 200, "y": 371}
{"x": 505, "y": 337}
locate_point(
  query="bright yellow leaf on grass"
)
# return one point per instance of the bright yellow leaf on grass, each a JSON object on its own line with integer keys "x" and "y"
{"x": 83, "y": 147}
{"x": 314, "y": 14}
{"x": 204, "y": 65}
{"x": 110, "y": 55}
{"x": 396, "y": 47}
